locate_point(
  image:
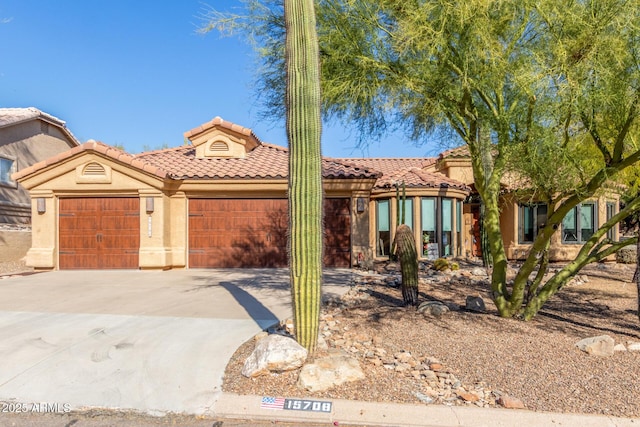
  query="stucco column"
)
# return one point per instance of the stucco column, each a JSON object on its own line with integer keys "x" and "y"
{"x": 44, "y": 230}
{"x": 154, "y": 253}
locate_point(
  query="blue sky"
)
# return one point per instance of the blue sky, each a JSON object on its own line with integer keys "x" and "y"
{"x": 135, "y": 73}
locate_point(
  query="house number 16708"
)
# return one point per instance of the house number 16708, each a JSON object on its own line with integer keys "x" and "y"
{"x": 307, "y": 405}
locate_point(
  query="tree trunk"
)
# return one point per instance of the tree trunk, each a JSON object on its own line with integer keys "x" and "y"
{"x": 405, "y": 244}
{"x": 636, "y": 275}
{"x": 305, "y": 168}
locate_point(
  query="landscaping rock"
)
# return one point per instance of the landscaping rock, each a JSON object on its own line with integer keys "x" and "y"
{"x": 433, "y": 308}
{"x": 475, "y": 304}
{"x": 275, "y": 353}
{"x": 619, "y": 347}
{"x": 633, "y": 346}
{"x": 327, "y": 372}
{"x": 627, "y": 255}
{"x": 468, "y": 397}
{"x": 510, "y": 402}
{"x": 601, "y": 346}
{"x": 479, "y": 272}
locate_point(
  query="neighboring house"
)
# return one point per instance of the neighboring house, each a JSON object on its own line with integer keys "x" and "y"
{"x": 27, "y": 136}
{"x": 221, "y": 202}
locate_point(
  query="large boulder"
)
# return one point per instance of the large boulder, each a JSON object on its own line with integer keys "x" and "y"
{"x": 275, "y": 353}
{"x": 597, "y": 346}
{"x": 327, "y": 372}
{"x": 433, "y": 308}
{"x": 475, "y": 304}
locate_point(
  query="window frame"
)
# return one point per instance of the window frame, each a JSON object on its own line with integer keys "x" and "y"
{"x": 577, "y": 214}
{"x": 611, "y": 211}
{"x": 12, "y": 169}
{"x": 537, "y": 223}
{"x": 380, "y": 248}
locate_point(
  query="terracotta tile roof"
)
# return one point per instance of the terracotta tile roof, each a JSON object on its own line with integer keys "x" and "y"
{"x": 265, "y": 161}
{"x": 98, "y": 147}
{"x": 14, "y": 116}
{"x": 389, "y": 165}
{"x": 418, "y": 178}
{"x": 458, "y": 152}
{"x": 410, "y": 170}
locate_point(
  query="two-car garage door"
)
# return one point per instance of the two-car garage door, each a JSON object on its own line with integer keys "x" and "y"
{"x": 104, "y": 233}
{"x": 253, "y": 233}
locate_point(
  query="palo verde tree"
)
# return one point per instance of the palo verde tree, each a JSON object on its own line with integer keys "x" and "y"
{"x": 544, "y": 89}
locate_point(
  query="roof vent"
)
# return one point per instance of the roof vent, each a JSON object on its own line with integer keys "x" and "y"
{"x": 94, "y": 169}
{"x": 219, "y": 146}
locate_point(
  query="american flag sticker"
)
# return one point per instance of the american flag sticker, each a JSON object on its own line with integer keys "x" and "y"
{"x": 272, "y": 403}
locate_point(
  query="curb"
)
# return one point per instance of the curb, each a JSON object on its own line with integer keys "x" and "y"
{"x": 349, "y": 412}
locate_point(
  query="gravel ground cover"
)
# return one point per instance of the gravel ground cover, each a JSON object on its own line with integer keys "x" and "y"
{"x": 477, "y": 358}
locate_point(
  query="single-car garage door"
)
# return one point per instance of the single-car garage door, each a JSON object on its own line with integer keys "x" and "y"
{"x": 99, "y": 233}
{"x": 253, "y": 233}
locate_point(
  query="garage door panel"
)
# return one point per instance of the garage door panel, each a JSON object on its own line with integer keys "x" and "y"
{"x": 253, "y": 233}
{"x": 74, "y": 260}
{"x": 99, "y": 233}
{"x": 70, "y": 224}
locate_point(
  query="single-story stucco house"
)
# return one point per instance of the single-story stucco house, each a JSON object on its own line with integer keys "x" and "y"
{"x": 220, "y": 201}
{"x": 27, "y": 136}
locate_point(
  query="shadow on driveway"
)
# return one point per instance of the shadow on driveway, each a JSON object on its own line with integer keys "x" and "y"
{"x": 258, "y": 312}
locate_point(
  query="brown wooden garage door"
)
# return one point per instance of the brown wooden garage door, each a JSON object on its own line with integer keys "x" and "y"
{"x": 253, "y": 233}
{"x": 99, "y": 233}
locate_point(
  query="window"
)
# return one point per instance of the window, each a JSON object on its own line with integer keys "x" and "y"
{"x": 531, "y": 217}
{"x": 408, "y": 214}
{"x": 579, "y": 223}
{"x": 428, "y": 224}
{"x": 611, "y": 211}
{"x": 383, "y": 230}
{"x": 447, "y": 222}
{"x": 459, "y": 227}
{"x": 7, "y": 167}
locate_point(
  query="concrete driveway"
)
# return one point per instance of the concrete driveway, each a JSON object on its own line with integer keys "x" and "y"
{"x": 153, "y": 341}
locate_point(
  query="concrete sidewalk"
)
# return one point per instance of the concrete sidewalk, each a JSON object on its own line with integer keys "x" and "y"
{"x": 348, "y": 412}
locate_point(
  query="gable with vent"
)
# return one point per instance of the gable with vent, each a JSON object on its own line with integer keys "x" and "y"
{"x": 93, "y": 172}
{"x": 220, "y": 142}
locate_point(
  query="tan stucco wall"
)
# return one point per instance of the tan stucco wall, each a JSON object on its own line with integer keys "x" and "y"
{"x": 558, "y": 251}
{"x": 28, "y": 143}
{"x": 164, "y": 228}
{"x": 458, "y": 169}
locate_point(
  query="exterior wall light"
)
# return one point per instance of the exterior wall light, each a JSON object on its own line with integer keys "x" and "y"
{"x": 149, "y": 205}
{"x": 41, "y": 205}
{"x": 360, "y": 205}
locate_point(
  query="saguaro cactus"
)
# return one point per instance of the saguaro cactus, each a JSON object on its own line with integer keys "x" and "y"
{"x": 405, "y": 245}
{"x": 305, "y": 168}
